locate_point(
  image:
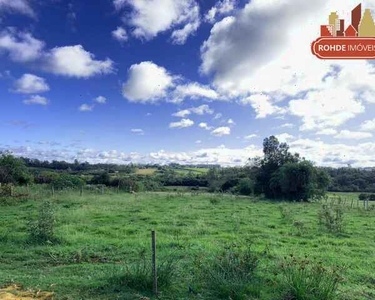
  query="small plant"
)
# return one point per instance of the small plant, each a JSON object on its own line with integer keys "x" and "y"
{"x": 300, "y": 227}
{"x": 286, "y": 214}
{"x": 230, "y": 274}
{"x": 332, "y": 218}
{"x": 214, "y": 201}
{"x": 138, "y": 275}
{"x": 42, "y": 230}
{"x": 304, "y": 279}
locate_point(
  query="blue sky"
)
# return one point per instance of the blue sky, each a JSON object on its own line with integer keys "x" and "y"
{"x": 179, "y": 81}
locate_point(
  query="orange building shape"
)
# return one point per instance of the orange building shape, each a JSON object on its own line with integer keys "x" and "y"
{"x": 367, "y": 26}
{"x": 326, "y": 31}
{"x": 351, "y": 31}
{"x": 356, "y": 17}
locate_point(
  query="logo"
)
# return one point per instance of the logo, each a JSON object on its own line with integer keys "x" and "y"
{"x": 353, "y": 41}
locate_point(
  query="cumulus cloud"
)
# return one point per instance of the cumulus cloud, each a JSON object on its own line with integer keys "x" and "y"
{"x": 75, "y": 61}
{"x": 20, "y": 46}
{"x": 36, "y": 100}
{"x": 220, "y": 8}
{"x": 19, "y": 6}
{"x": 151, "y": 17}
{"x": 194, "y": 91}
{"x": 200, "y": 110}
{"x": 240, "y": 54}
{"x": 147, "y": 82}
{"x": 353, "y": 135}
{"x": 120, "y": 34}
{"x": 101, "y": 100}
{"x": 327, "y": 131}
{"x": 251, "y": 136}
{"x": 71, "y": 61}
{"x": 86, "y": 107}
{"x": 284, "y": 137}
{"x": 184, "y": 123}
{"x": 368, "y": 125}
{"x": 221, "y": 131}
{"x": 263, "y": 106}
{"x": 205, "y": 126}
{"x": 31, "y": 84}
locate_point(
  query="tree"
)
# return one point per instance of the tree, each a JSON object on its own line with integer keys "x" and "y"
{"x": 13, "y": 170}
{"x": 298, "y": 181}
{"x": 276, "y": 154}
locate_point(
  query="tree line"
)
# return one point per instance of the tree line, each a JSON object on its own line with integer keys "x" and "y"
{"x": 279, "y": 174}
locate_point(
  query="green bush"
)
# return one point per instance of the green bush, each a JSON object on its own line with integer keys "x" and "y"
{"x": 331, "y": 217}
{"x": 230, "y": 274}
{"x": 66, "y": 181}
{"x": 245, "y": 187}
{"x": 13, "y": 170}
{"x": 363, "y": 197}
{"x": 42, "y": 230}
{"x": 303, "y": 279}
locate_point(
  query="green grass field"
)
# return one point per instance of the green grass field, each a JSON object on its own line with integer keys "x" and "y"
{"x": 99, "y": 235}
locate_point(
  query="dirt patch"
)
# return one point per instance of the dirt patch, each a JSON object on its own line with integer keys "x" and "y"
{"x": 15, "y": 292}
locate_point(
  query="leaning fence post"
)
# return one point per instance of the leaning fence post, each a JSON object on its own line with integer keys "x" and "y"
{"x": 154, "y": 268}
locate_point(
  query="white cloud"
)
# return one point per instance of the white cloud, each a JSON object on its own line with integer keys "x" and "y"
{"x": 71, "y": 61}
{"x": 20, "y": 46}
{"x": 221, "y": 131}
{"x": 198, "y": 142}
{"x": 353, "y": 135}
{"x": 120, "y": 34}
{"x": 263, "y": 106}
{"x": 194, "y": 91}
{"x": 86, "y": 107}
{"x": 284, "y": 137}
{"x": 368, "y": 125}
{"x": 231, "y": 122}
{"x": 200, "y": 110}
{"x": 101, "y": 100}
{"x": 240, "y": 54}
{"x": 184, "y": 123}
{"x": 151, "y": 17}
{"x": 221, "y": 8}
{"x": 138, "y": 131}
{"x": 75, "y": 61}
{"x": 287, "y": 125}
{"x": 218, "y": 116}
{"x": 20, "y": 6}
{"x": 250, "y": 137}
{"x": 31, "y": 84}
{"x": 327, "y": 131}
{"x": 205, "y": 126}
{"x": 147, "y": 82}
{"x": 36, "y": 100}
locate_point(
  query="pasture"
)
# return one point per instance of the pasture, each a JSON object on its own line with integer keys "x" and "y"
{"x": 100, "y": 238}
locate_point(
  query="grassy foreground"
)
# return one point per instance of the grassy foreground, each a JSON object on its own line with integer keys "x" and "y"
{"x": 99, "y": 235}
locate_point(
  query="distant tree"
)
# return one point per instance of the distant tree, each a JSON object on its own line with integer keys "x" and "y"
{"x": 102, "y": 178}
{"x": 13, "y": 170}
{"x": 276, "y": 154}
{"x": 245, "y": 187}
{"x": 363, "y": 197}
{"x": 66, "y": 181}
{"x": 299, "y": 181}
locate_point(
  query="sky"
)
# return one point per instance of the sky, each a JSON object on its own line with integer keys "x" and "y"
{"x": 184, "y": 81}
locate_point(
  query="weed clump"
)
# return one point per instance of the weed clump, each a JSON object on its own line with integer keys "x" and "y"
{"x": 230, "y": 274}
{"x": 42, "y": 230}
{"x": 304, "y": 279}
{"x": 331, "y": 217}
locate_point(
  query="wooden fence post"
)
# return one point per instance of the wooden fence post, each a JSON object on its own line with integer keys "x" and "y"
{"x": 154, "y": 267}
{"x": 53, "y": 191}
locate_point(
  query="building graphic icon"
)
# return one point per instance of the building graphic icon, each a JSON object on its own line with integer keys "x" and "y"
{"x": 360, "y": 26}
{"x": 341, "y": 39}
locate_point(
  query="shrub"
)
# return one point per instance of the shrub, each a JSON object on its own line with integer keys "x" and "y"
{"x": 372, "y": 197}
{"x": 245, "y": 187}
{"x": 332, "y": 217}
{"x": 303, "y": 279}
{"x": 286, "y": 214}
{"x": 66, "y": 181}
{"x": 13, "y": 170}
{"x": 230, "y": 274}
{"x": 42, "y": 230}
{"x": 214, "y": 201}
{"x": 363, "y": 197}
{"x": 102, "y": 178}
